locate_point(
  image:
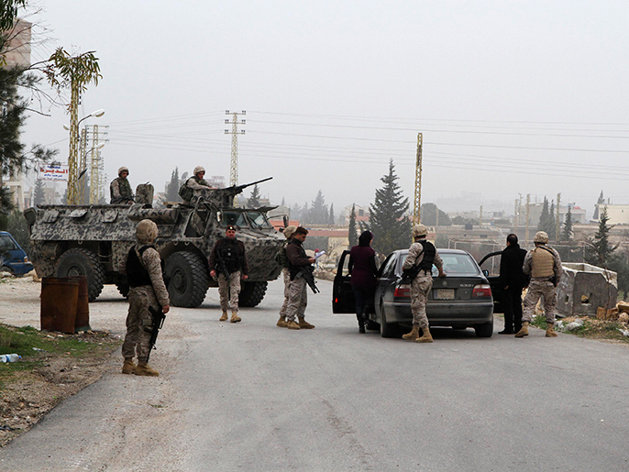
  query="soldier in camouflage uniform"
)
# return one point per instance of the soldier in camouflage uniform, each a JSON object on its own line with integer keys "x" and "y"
{"x": 120, "y": 188}
{"x": 297, "y": 294}
{"x": 543, "y": 264}
{"x": 421, "y": 254}
{"x": 196, "y": 182}
{"x": 229, "y": 261}
{"x": 283, "y": 261}
{"x": 146, "y": 289}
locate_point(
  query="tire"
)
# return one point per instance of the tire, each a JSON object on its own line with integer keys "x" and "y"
{"x": 484, "y": 330}
{"x": 251, "y": 293}
{"x": 188, "y": 279}
{"x": 6, "y": 269}
{"x": 78, "y": 261}
{"x": 386, "y": 329}
{"x": 123, "y": 288}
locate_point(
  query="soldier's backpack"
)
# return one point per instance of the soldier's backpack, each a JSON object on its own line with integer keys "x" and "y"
{"x": 280, "y": 256}
{"x": 185, "y": 192}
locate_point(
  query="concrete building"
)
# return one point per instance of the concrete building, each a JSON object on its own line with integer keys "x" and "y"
{"x": 618, "y": 214}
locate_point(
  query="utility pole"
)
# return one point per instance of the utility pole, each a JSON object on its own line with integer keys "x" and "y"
{"x": 557, "y": 220}
{"x": 516, "y": 215}
{"x": 73, "y": 181}
{"x": 480, "y": 217}
{"x": 418, "y": 181}
{"x": 233, "y": 170}
{"x": 96, "y": 164}
{"x": 528, "y": 214}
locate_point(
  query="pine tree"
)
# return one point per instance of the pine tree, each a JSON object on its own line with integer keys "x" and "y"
{"x": 566, "y": 233}
{"x": 172, "y": 189}
{"x": 551, "y": 225}
{"x": 331, "y": 215}
{"x": 599, "y": 251}
{"x": 319, "y": 210}
{"x": 38, "y": 193}
{"x": 388, "y": 219}
{"x": 352, "y": 236}
{"x": 543, "y": 218}
{"x": 429, "y": 215}
{"x": 254, "y": 199}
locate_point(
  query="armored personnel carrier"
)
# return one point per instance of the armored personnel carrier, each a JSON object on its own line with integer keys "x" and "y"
{"x": 94, "y": 240}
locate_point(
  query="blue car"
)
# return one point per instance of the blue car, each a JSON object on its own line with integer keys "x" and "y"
{"x": 12, "y": 257}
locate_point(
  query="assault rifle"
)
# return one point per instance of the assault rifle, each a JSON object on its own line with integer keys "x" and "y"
{"x": 158, "y": 317}
{"x": 307, "y": 273}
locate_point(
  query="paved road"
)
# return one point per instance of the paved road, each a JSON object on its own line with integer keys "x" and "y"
{"x": 254, "y": 397}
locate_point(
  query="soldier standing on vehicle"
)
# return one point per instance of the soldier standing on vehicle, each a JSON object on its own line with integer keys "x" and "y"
{"x": 196, "y": 182}
{"x": 146, "y": 290}
{"x": 513, "y": 281}
{"x": 421, "y": 256}
{"x": 298, "y": 262}
{"x": 282, "y": 260}
{"x": 120, "y": 188}
{"x": 229, "y": 261}
{"x": 543, "y": 264}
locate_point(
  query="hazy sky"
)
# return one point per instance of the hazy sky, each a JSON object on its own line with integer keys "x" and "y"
{"x": 512, "y": 97}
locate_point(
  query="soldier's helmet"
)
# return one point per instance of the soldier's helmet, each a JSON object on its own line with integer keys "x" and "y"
{"x": 146, "y": 232}
{"x": 123, "y": 169}
{"x": 289, "y": 231}
{"x": 198, "y": 169}
{"x": 419, "y": 230}
{"x": 541, "y": 237}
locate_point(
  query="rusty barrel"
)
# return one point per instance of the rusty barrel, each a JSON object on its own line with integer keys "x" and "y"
{"x": 82, "y": 322}
{"x": 59, "y": 297}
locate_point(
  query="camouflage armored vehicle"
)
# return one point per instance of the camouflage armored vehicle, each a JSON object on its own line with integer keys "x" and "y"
{"x": 95, "y": 240}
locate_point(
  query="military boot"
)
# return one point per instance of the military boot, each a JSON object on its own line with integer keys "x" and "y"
{"x": 524, "y": 331}
{"x": 413, "y": 334}
{"x": 144, "y": 369}
{"x": 550, "y": 331}
{"x": 281, "y": 323}
{"x": 303, "y": 324}
{"x": 128, "y": 367}
{"x": 223, "y": 317}
{"x": 292, "y": 325}
{"x": 426, "y": 336}
{"x": 235, "y": 317}
{"x": 361, "y": 324}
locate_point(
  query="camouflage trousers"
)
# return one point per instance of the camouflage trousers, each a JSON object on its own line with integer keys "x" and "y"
{"x": 139, "y": 323}
{"x": 286, "y": 276}
{"x": 228, "y": 290}
{"x": 420, "y": 288}
{"x": 540, "y": 288}
{"x": 297, "y": 299}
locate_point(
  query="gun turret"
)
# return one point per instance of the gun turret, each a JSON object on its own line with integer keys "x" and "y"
{"x": 224, "y": 197}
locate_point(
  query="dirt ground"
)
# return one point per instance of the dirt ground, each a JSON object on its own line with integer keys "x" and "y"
{"x": 29, "y": 394}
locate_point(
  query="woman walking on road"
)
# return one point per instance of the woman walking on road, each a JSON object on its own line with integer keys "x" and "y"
{"x": 362, "y": 268}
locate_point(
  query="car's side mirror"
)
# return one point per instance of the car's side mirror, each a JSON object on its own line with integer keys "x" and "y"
{"x": 485, "y": 272}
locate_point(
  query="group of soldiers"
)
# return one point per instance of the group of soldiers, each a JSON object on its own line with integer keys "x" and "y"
{"x": 121, "y": 192}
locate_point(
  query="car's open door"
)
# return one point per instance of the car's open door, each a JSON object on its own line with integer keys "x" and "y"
{"x": 342, "y": 295}
{"x": 490, "y": 265}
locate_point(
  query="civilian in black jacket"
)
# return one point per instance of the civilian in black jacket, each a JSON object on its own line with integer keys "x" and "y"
{"x": 513, "y": 280}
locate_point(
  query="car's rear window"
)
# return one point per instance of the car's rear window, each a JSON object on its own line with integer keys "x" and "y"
{"x": 458, "y": 265}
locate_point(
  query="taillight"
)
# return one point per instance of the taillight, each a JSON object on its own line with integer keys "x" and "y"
{"x": 403, "y": 291}
{"x": 481, "y": 291}
{"x": 25, "y": 258}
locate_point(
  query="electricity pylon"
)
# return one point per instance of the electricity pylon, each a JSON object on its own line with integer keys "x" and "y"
{"x": 233, "y": 168}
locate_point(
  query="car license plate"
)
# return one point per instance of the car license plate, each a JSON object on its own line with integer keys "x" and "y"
{"x": 444, "y": 294}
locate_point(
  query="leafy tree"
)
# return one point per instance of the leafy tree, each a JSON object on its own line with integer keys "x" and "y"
{"x": 599, "y": 251}
{"x": 566, "y": 233}
{"x": 38, "y": 193}
{"x": 254, "y": 199}
{"x": 352, "y": 235}
{"x": 331, "y": 215}
{"x": 8, "y": 12}
{"x": 388, "y": 219}
{"x": 429, "y": 215}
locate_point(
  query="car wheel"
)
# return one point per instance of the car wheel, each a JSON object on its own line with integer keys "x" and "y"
{"x": 78, "y": 261}
{"x": 6, "y": 269}
{"x": 484, "y": 330}
{"x": 386, "y": 330}
{"x": 188, "y": 279}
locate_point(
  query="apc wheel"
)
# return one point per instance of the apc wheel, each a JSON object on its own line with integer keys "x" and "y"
{"x": 123, "y": 288}
{"x": 251, "y": 293}
{"x": 386, "y": 330}
{"x": 188, "y": 279}
{"x": 78, "y": 261}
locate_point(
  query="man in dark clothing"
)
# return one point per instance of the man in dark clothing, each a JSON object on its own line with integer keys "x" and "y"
{"x": 513, "y": 281}
{"x": 298, "y": 261}
{"x": 228, "y": 260}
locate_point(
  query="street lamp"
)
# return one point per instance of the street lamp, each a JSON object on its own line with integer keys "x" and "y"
{"x": 73, "y": 164}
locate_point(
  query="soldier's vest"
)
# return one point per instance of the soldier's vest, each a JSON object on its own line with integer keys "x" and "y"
{"x": 543, "y": 263}
{"x": 429, "y": 255}
{"x": 137, "y": 275}
{"x": 124, "y": 187}
{"x": 280, "y": 256}
{"x": 229, "y": 254}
